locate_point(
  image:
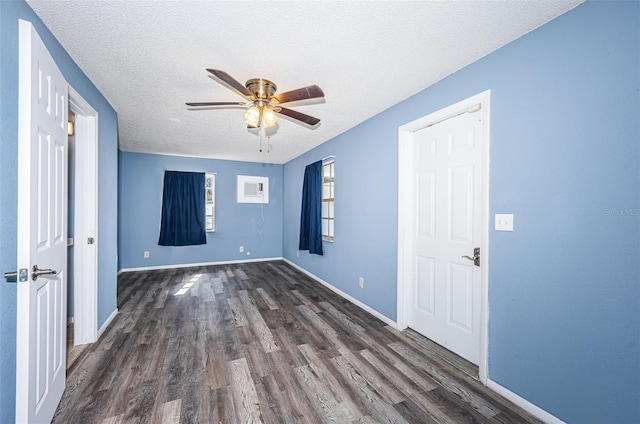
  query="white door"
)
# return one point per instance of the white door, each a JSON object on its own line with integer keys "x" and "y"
{"x": 446, "y": 288}
{"x": 42, "y": 231}
{"x": 85, "y": 299}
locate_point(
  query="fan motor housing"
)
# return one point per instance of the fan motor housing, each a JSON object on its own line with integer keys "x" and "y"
{"x": 261, "y": 88}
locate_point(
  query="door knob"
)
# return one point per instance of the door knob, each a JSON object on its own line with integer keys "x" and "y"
{"x": 38, "y": 272}
{"x": 476, "y": 256}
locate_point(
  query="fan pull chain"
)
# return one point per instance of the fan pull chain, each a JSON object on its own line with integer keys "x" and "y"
{"x": 269, "y": 144}
{"x": 260, "y": 141}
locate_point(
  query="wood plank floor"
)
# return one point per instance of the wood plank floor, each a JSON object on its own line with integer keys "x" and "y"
{"x": 264, "y": 343}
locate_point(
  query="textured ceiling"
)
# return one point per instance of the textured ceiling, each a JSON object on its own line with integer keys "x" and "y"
{"x": 149, "y": 57}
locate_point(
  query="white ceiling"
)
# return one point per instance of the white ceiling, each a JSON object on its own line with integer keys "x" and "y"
{"x": 149, "y": 57}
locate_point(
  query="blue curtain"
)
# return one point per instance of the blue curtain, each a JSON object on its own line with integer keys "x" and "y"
{"x": 183, "y": 211}
{"x": 311, "y": 215}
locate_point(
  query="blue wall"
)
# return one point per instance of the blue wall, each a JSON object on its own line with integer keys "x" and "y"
{"x": 366, "y": 217}
{"x": 564, "y": 287}
{"x": 237, "y": 224}
{"x": 10, "y": 12}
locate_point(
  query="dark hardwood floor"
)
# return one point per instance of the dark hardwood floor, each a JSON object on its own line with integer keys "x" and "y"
{"x": 262, "y": 342}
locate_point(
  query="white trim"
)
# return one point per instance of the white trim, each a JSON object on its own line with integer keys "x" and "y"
{"x": 523, "y": 403}
{"x": 22, "y": 371}
{"x": 107, "y": 322}
{"x": 404, "y": 238}
{"x": 485, "y": 100}
{"x": 85, "y": 295}
{"x": 351, "y": 299}
{"x": 151, "y": 268}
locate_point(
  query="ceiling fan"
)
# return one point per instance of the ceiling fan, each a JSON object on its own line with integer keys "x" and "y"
{"x": 265, "y": 104}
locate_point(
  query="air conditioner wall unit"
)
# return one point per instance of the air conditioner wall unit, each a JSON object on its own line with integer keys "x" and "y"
{"x": 252, "y": 189}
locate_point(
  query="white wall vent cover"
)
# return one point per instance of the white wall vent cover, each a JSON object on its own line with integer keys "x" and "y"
{"x": 253, "y": 189}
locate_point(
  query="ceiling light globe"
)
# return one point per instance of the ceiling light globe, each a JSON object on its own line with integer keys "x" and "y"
{"x": 269, "y": 117}
{"x": 252, "y": 116}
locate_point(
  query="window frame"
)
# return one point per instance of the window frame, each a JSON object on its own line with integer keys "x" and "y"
{"x": 329, "y": 217}
{"x": 210, "y": 184}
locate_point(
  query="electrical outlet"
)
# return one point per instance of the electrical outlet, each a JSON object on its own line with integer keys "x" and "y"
{"x": 248, "y": 253}
{"x": 146, "y": 254}
{"x": 298, "y": 253}
{"x": 241, "y": 249}
{"x": 361, "y": 282}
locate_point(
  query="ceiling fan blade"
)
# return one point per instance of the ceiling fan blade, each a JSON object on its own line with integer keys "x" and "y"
{"x": 232, "y": 83}
{"x": 215, "y": 104}
{"x": 299, "y": 116}
{"x": 310, "y": 92}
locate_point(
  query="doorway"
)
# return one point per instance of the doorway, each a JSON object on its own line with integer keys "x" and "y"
{"x": 84, "y": 203}
{"x": 442, "y": 219}
{"x": 71, "y": 120}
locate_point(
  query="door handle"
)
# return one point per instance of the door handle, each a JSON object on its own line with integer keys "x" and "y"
{"x": 37, "y": 272}
{"x": 476, "y": 256}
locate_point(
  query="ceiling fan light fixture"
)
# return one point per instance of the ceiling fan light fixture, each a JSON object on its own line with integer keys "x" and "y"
{"x": 260, "y": 116}
{"x": 264, "y": 105}
{"x": 269, "y": 117}
{"x": 252, "y": 116}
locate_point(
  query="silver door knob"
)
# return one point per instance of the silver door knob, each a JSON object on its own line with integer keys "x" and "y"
{"x": 38, "y": 272}
{"x": 476, "y": 256}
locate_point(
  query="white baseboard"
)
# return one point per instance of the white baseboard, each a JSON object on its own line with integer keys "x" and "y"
{"x": 107, "y": 322}
{"x": 350, "y": 298}
{"x": 523, "y": 403}
{"x": 240, "y": 261}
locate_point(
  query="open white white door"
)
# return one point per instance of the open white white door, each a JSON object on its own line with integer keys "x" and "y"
{"x": 446, "y": 287}
{"x": 85, "y": 298}
{"x": 42, "y": 231}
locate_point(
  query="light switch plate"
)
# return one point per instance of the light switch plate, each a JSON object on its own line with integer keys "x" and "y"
{"x": 504, "y": 222}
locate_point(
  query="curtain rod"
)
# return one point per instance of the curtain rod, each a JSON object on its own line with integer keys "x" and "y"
{"x": 204, "y": 172}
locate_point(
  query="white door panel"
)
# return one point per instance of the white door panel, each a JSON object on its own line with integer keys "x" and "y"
{"x": 426, "y": 202}
{"x": 425, "y": 299}
{"x": 42, "y": 229}
{"x": 447, "y": 170}
{"x": 460, "y": 291}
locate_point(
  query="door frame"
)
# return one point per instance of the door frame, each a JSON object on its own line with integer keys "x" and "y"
{"x": 406, "y": 214}
{"x": 85, "y": 269}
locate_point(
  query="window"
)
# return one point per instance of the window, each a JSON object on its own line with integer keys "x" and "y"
{"x": 327, "y": 200}
{"x": 209, "y": 201}
{"x": 183, "y": 222}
